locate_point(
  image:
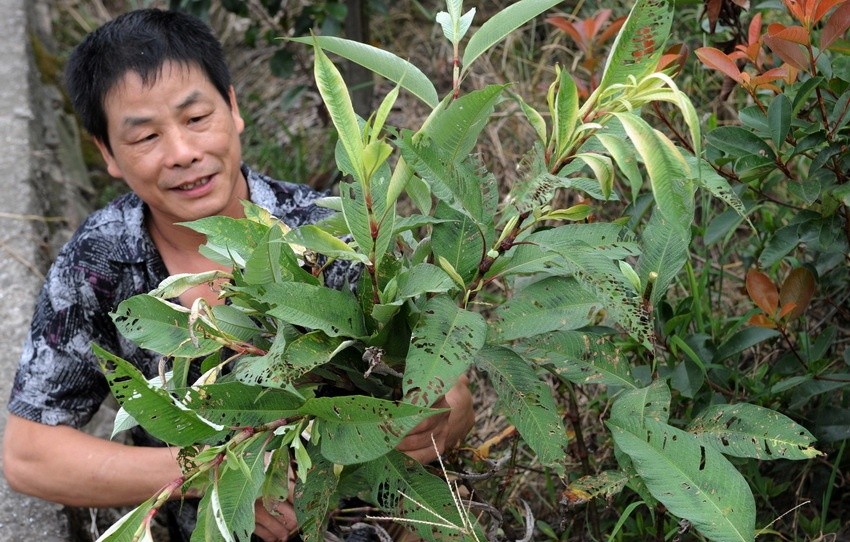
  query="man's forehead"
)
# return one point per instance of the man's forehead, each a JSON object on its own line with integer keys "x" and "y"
{"x": 134, "y": 80}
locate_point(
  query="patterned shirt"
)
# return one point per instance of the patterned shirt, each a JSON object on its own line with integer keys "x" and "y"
{"x": 110, "y": 258}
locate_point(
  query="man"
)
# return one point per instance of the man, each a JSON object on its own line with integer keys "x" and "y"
{"x": 154, "y": 91}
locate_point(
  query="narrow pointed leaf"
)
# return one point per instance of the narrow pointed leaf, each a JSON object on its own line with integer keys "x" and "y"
{"x": 779, "y": 119}
{"x": 384, "y": 63}
{"x": 318, "y": 240}
{"x": 527, "y": 402}
{"x": 125, "y": 528}
{"x": 500, "y": 25}
{"x": 338, "y": 102}
{"x": 238, "y": 488}
{"x": 314, "y": 498}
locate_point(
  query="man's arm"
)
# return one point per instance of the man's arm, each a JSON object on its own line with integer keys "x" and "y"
{"x": 65, "y": 465}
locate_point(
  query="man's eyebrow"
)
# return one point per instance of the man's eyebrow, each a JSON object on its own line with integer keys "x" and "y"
{"x": 132, "y": 122}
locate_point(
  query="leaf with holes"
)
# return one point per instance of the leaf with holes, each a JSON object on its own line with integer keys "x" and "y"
{"x": 356, "y": 429}
{"x": 443, "y": 344}
{"x": 692, "y": 480}
{"x": 745, "y": 430}
{"x": 527, "y": 402}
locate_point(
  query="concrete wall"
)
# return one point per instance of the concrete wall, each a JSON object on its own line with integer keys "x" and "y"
{"x": 27, "y": 167}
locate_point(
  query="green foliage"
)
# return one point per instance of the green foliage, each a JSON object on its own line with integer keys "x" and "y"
{"x": 539, "y": 297}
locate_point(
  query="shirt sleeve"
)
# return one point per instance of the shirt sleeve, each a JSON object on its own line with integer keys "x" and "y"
{"x": 58, "y": 381}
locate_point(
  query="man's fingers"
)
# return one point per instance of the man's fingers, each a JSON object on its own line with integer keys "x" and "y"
{"x": 276, "y": 525}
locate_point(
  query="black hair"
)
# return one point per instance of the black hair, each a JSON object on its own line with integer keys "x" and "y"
{"x": 141, "y": 41}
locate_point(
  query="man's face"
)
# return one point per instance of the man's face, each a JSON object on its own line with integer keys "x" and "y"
{"x": 175, "y": 142}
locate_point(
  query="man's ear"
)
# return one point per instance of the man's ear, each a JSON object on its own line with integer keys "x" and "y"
{"x": 111, "y": 164}
{"x": 234, "y": 110}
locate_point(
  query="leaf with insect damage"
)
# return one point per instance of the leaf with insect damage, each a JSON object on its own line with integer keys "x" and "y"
{"x": 745, "y": 430}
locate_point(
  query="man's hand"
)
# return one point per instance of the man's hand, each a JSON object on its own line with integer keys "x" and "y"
{"x": 276, "y": 525}
{"x": 447, "y": 428}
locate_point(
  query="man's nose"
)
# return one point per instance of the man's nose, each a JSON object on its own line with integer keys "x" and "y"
{"x": 182, "y": 148}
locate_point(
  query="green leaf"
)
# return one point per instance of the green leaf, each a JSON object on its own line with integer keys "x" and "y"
{"x": 458, "y": 239}
{"x": 527, "y": 402}
{"x": 582, "y": 358}
{"x": 284, "y": 364}
{"x": 124, "y": 529}
{"x": 238, "y": 488}
{"x": 420, "y": 279}
{"x": 603, "y": 170}
{"x": 275, "y": 261}
{"x": 163, "y": 327}
{"x": 443, "y": 344}
{"x": 229, "y": 240}
{"x": 335, "y": 312}
{"x": 665, "y": 253}
{"x": 338, "y": 102}
{"x": 745, "y": 430}
{"x": 638, "y": 45}
{"x": 738, "y": 142}
{"x": 162, "y": 415}
{"x": 534, "y": 117}
{"x": 384, "y": 63}
{"x": 742, "y": 340}
{"x": 500, "y": 25}
{"x": 636, "y": 406}
{"x": 667, "y": 169}
{"x": 318, "y": 240}
{"x": 234, "y": 404}
{"x": 403, "y": 488}
{"x": 693, "y": 481}
{"x": 556, "y": 303}
{"x": 455, "y": 128}
{"x": 703, "y": 174}
{"x": 779, "y": 119}
{"x": 356, "y": 429}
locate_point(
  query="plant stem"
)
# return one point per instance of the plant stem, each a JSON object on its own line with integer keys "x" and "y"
{"x": 583, "y": 456}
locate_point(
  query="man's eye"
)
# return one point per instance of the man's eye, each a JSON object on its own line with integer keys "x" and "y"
{"x": 145, "y": 138}
{"x": 198, "y": 118}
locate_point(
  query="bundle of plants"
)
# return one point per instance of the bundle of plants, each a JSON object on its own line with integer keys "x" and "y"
{"x": 516, "y": 286}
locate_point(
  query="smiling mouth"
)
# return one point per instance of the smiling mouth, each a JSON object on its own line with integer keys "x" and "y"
{"x": 195, "y": 184}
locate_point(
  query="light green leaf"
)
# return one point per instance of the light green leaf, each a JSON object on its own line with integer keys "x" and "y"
{"x": 163, "y": 327}
{"x": 335, "y": 312}
{"x": 582, "y": 358}
{"x": 420, "y": 279}
{"x": 338, "y": 102}
{"x": 667, "y": 169}
{"x": 155, "y": 409}
{"x": 500, "y": 25}
{"x": 603, "y": 170}
{"x": 318, "y": 240}
{"x": 745, "y": 430}
{"x": 527, "y": 402}
{"x": 693, "y": 481}
{"x": 356, "y": 428}
{"x": 124, "y": 529}
{"x": 565, "y": 112}
{"x": 275, "y": 261}
{"x": 384, "y": 63}
{"x": 175, "y": 285}
{"x": 229, "y": 240}
{"x": 705, "y": 176}
{"x": 443, "y": 344}
{"x": 556, "y": 303}
{"x": 625, "y": 160}
{"x": 534, "y": 117}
